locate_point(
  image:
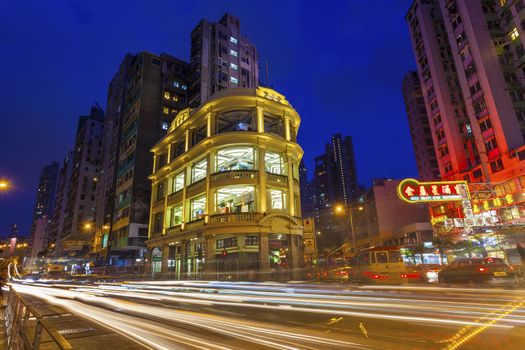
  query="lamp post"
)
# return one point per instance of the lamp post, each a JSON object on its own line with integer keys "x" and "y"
{"x": 340, "y": 210}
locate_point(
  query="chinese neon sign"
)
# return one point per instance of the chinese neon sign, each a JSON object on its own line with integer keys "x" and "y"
{"x": 413, "y": 191}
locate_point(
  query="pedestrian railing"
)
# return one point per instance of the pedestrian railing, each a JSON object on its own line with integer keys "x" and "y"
{"x": 25, "y": 327}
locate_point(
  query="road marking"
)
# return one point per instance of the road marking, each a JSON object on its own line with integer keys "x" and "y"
{"x": 363, "y": 329}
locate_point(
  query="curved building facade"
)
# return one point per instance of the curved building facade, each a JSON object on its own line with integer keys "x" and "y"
{"x": 225, "y": 196}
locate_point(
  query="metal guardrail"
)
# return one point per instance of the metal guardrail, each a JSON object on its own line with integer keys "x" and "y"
{"x": 18, "y": 314}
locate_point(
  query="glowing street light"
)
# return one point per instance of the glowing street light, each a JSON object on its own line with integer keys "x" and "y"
{"x": 87, "y": 226}
{"x": 340, "y": 210}
{"x": 4, "y": 185}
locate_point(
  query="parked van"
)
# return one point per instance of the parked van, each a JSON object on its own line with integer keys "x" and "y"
{"x": 382, "y": 265}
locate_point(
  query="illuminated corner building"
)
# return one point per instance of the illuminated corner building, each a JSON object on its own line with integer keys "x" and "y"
{"x": 470, "y": 59}
{"x": 420, "y": 132}
{"x": 75, "y": 237}
{"x": 221, "y": 58}
{"x": 44, "y": 204}
{"x": 155, "y": 91}
{"x": 226, "y": 197}
{"x": 58, "y": 216}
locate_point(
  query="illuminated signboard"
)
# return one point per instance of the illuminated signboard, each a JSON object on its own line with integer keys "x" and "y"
{"x": 413, "y": 191}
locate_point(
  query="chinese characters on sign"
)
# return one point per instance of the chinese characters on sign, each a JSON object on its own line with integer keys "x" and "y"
{"x": 413, "y": 191}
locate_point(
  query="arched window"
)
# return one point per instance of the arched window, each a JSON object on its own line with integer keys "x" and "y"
{"x": 238, "y": 120}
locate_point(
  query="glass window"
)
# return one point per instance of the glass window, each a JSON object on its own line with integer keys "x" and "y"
{"x": 234, "y": 80}
{"x": 165, "y": 110}
{"x": 176, "y": 83}
{"x": 273, "y": 125}
{"x": 235, "y": 199}
{"x": 198, "y": 170}
{"x": 177, "y": 183}
{"x": 160, "y": 191}
{"x": 235, "y": 158}
{"x": 233, "y": 40}
{"x": 238, "y": 120}
{"x": 177, "y": 149}
{"x": 278, "y": 199}
{"x": 234, "y": 66}
{"x": 157, "y": 223}
{"x": 274, "y": 163}
{"x": 174, "y": 216}
{"x": 166, "y": 95}
{"x": 197, "y": 207}
{"x": 198, "y": 134}
{"x": 165, "y": 126}
{"x": 395, "y": 256}
{"x": 381, "y": 257}
{"x": 234, "y": 53}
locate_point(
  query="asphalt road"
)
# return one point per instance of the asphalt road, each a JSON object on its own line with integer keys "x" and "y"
{"x": 223, "y": 315}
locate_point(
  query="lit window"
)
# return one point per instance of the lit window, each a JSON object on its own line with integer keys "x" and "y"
{"x": 174, "y": 216}
{"x": 166, "y": 110}
{"x": 183, "y": 87}
{"x": 175, "y": 98}
{"x": 274, "y": 163}
{"x": 177, "y": 183}
{"x": 166, "y": 95}
{"x": 235, "y": 199}
{"x": 165, "y": 125}
{"x": 278, "y": 199}
{"x": 234, "y": 66}
{"x": 197, "y": 208}
{"x": 233, "y": 40}
{"x": 176, "y": 83}
{"x": 235, "y": 158}
{"x": 198, "y": 170}
{"x": 514, "y": 34}
{"x": 233, "y": 53}
{"x": 234, "y": 80}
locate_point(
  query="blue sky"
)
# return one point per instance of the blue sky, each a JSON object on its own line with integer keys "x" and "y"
{"x": 340, "y": 65}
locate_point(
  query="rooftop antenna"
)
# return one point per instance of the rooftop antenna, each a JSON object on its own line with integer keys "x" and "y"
{"x": 267, "y": 76}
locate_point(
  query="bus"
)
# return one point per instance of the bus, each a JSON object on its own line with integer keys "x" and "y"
{"x": 382, "y": 265}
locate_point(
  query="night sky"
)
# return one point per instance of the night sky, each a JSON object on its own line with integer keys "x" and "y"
{"x": 340, "y": 65}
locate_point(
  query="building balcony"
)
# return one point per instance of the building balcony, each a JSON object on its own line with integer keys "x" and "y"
{"x": 175, "y": 197}
{"x": 173, "y": 229}
{"x": 234, "y": 177}
{"x": 234, "y": 218}
{"x": 494, "y": 153}
{"x": 158, "y": 205}
{"x": 487, "y": 134}
{"x": 194, "y": 224}
{"x": 196, "y": 188}
{"x": 276, "y": 179}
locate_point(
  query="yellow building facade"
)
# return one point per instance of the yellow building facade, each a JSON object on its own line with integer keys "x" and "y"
{"x": 225, "y": 200}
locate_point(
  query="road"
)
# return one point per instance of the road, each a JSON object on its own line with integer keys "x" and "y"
{"x": 229, "y": 315}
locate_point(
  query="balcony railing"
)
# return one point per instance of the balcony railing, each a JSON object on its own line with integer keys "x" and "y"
{"x": 232, "y": 175}
{"x": 194, "y": 224}
{"x": 196, "y": 187}
{"x": 271, "y": 177}
{"x": 175, "y": 197}
{"x": 234, "y": 217}
{"x": 173, "y": 229}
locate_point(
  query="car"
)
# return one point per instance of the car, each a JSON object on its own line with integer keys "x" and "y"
{"x": 479, "y": 271}
{"x": 429, "y": 272}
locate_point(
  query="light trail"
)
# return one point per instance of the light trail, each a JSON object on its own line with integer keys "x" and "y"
{"x": 157, "y": 313}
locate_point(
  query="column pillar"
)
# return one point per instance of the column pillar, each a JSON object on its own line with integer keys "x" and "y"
{"x": 294, "y": 258}
{"x": 210, "y": 198}
{"x": 210, "y": 261}
{"x": 264, "y": 257}
{"x": 291, "y": 195}
{"x": 184, "y": 259}
{"x": 262, "y": 205}
{"x": 260, "y": 119}
{"x": 165, "y": 256}
{"x": 287, "y": 133}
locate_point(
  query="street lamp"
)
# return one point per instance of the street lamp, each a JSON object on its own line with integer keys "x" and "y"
{"x": 340, "y": 210}
{"x": 4, "y": 185}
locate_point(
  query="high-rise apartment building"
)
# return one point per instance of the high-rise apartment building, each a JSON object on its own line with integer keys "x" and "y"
{"x": 420, "y": 131}
{"x": 470, "y": 62}
{"x": 57, "y": 219}
{"x": 221, "y": 58}
{"x": 44, "y": 204}
{"x": 145, "y": 95}
{"x": 78, "y": 217}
